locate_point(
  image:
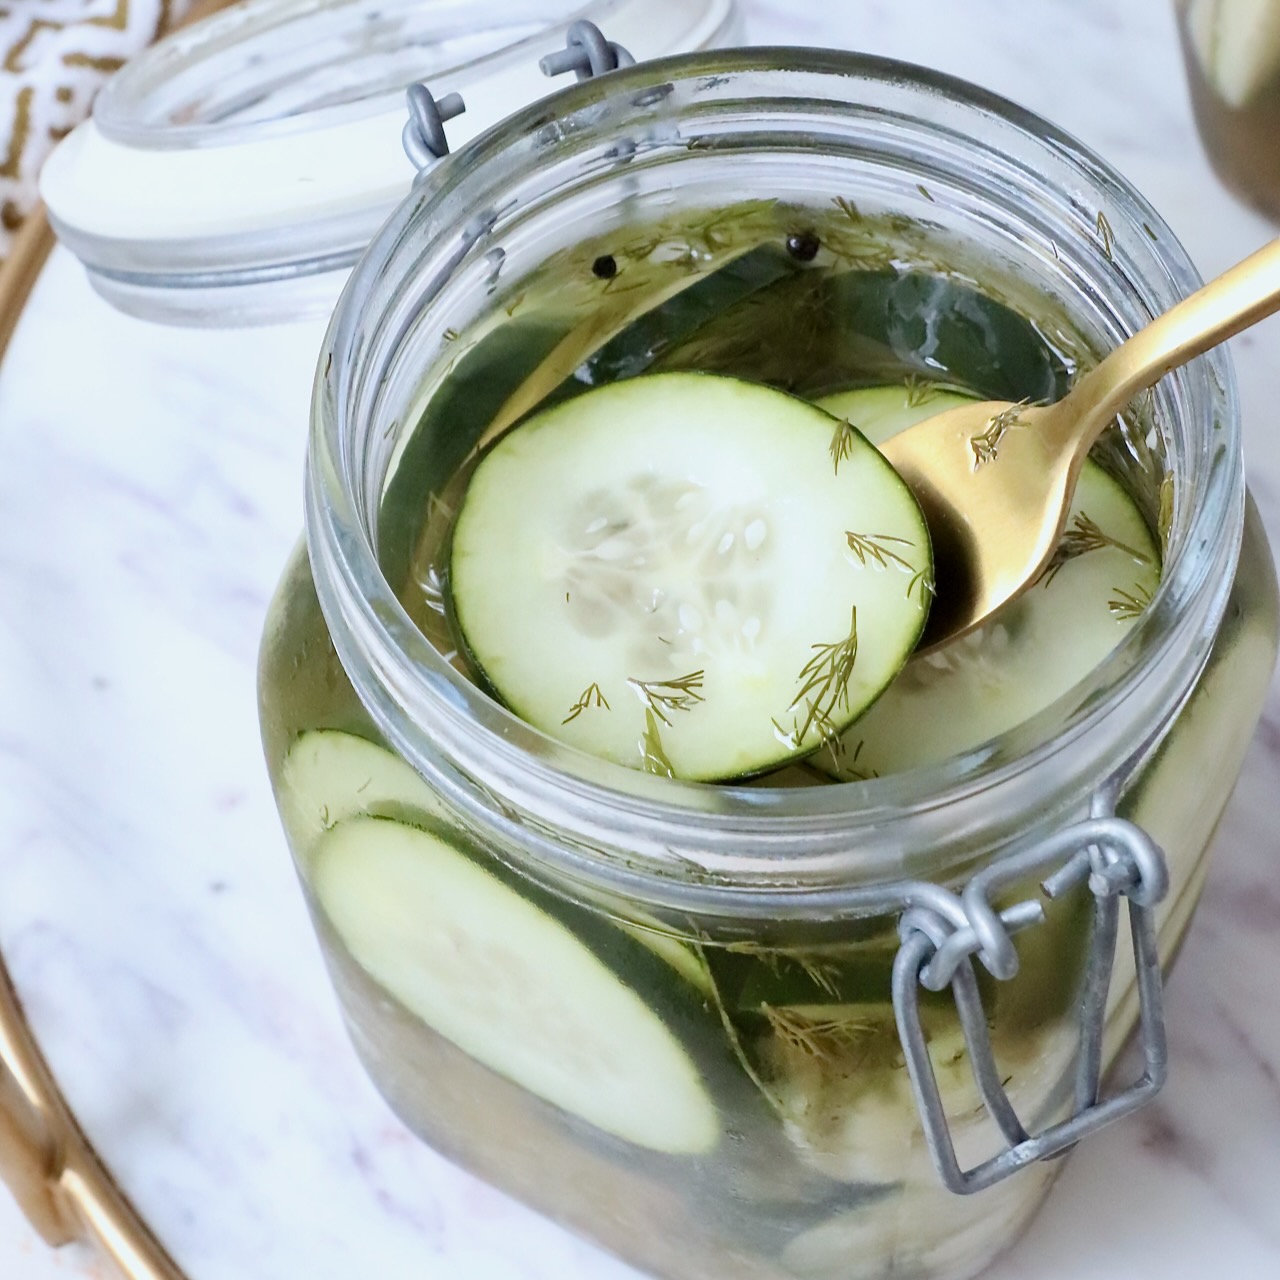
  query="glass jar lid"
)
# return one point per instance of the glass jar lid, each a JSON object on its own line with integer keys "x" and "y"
{"x": 234, "y": 172}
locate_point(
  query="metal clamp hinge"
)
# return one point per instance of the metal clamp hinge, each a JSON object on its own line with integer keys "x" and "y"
{"x": 587, "y": 53}
{"x": 942, "y": 933}
{"x": 423, "y": 136}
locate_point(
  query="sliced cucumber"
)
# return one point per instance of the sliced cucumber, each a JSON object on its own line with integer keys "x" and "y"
{"x": 453, "y": 421}
{"x": 510, "y": 984}
{"x": 329, "y": 776}
{"x": 661, "y": 572}
{"x": 676, "y": 319}
{"x": 1237, "y": 43}
{"x": 1001, "y": 675}
{"x": 680, "y": 956}
{"x": 534, "y": 361}
{"x": 881, "y": 412}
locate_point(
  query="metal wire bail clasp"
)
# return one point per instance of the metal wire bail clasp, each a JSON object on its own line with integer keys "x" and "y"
{"x": 586, "y": 53}
{"x": 423, "y": 136}
{"x": 941, "y": 935}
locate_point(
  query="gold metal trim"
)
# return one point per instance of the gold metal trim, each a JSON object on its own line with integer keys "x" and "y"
{"x": 54, "y": 1173}
{"x": 51, "y": 1168}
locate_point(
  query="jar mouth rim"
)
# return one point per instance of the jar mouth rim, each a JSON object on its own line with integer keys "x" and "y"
{"x": 349, "y": 579}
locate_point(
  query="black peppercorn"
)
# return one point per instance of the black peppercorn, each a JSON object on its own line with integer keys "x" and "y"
{"x": 605, "y": 267}
{"x": 803, "y": 246}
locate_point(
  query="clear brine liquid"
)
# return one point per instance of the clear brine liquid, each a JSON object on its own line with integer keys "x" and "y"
{"x": 813, "y": 303}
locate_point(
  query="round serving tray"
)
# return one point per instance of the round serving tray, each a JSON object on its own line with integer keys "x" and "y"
{"x": 149, "y": 494}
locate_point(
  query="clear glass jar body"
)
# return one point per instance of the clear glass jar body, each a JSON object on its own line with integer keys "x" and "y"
{"x": 1232, "y": 54}
{"x": 817, "y": 1166}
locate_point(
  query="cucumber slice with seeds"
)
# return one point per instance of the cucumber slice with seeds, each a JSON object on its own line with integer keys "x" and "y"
{"x": 983, "y": 684}
{"x": 511, "y": 985}
{"x": 661, "y": 572}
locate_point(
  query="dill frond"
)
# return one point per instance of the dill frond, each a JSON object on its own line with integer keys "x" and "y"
{"x": 873, "y": 547}
{"x": 731, "y": 1033}
{"x": 661, "y": 696}
{"x": 842, "y": 441}
{"x": 591, "y": 697}
{"x": 986, "y": 446}
{"x": 1084, "y": 536}
{"x": 851, "y": 772}
{"x": 1106, "y": 235}
{"x": 919, "y": 390}
{"x": 653, "y": 756}
{"x": 1164, "y": 520}
{"x": 824, "y": 679}
{"x": 849, "y": 209}
{"x": 1125, "y": 605}
{"x": 816, "y": 1036}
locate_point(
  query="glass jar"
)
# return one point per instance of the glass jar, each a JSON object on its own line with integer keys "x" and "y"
{"x": 542, "y": 956}
{"x": 1232, "y": 53}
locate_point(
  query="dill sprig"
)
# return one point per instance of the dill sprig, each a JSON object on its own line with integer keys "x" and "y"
{"x": 1084, "y": 536}
{"x": 720, "y": 230}
{"x": 770, "y": 957}
{"x": 591, "y": 697}
{"x": 924, "y": 191}
{"x": 639, "y": 250}
{"x": 849, "y": 209}
{"x": 871, "y": 548}
{"x": 986, "y": 446}
{"x": 661, "y": 696}
{"x": 860, "y": 248}
{"x": 821, "y": 972}
{"x": 842, "y": 441}
{"x": 1106, "y": 235}
{"x": 919, "y": 390}
{"x": 653, "y": 756}
{"x": 922, "y": 578}
{"x": 814, "y": 1036}
{"x": 824, "y": 679}
{"x": 618, "y": 284}
{"x": 1164, "y": 520}
{"x": 828, "y": 731}
{"x": 731, "y": 1034}
{"x": 851, "y": 772}
{"x": 796, "y": 1031}
{"x": 1125, "y": 605}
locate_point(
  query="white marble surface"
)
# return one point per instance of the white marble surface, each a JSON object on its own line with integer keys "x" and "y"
{"x": 149, "y": 493}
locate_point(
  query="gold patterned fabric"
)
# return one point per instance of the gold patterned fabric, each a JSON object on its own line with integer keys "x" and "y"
{"x": 54, "y": 56}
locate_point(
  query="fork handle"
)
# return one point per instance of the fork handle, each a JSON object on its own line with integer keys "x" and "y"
{"x": 1240, "y": 297}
